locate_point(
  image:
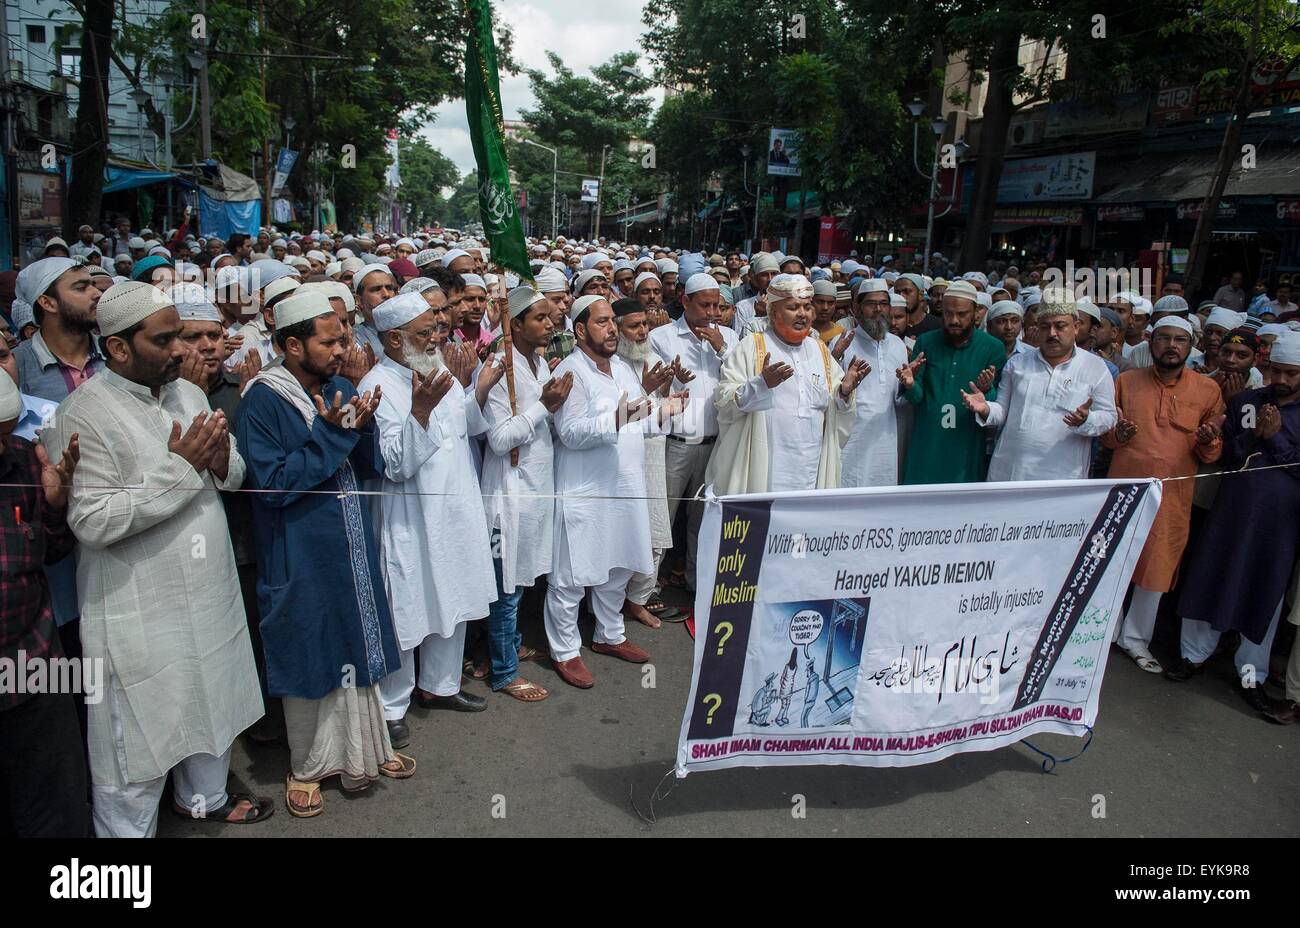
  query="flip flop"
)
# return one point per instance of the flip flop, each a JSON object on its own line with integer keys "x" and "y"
{"x": 312, "y": 808}
{"x": 406, "y": 767}
{"x": 527, "y": 653}
{"x": 524, "y": 690}
{"x": 260, "y": 809}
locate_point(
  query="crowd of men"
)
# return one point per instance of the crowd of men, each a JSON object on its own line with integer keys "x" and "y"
{"x": 289, "y": 485}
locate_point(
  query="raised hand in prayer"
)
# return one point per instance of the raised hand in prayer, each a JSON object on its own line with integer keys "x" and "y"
{"x": 1229, "y": 384}
{"x": 681, "y": 374}
{"x": 357, "y": 362}
{"x": 907, "y": 373}
{"x": 553, "y": 363}
{"x": 233, "y": 344}
{"x": 974, "y": 400}
{"x": 857, "y": 372}
{"x": 363, "y": 409}
{"x": 57, "y": 478}
{"x": 482, "y": 349}
{"x": 1079, "y": 416}
{"x": 673, "y": 406}
{"x": 460, "y": 360}
{"x": 247, "y": 369}
{"x": 629, "y": 412}
{"x": 775, "y": 374}
{"x": 657, "y": 317}
{"x": 220, "y": 462}
{"x": 199, "y": 442}
{"x": 1207, "y": 433}
{"x": 1125, "y": 429}
{"x": 195, "y": 369}
{"x": 493, "y": 370}
{"x": 427, "y": 392}
{"x": 1269, "y": 421}
{"x": 556, "y": 391}
{"x": 709, "y": 333}
{"x": 986, "y": 378}
{"x": 842, "y": 344}
{"x": 657, "y": 377}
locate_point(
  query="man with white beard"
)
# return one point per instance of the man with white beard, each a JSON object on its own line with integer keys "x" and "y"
{"x": 518, "y": 499}
{"x": 434, "y": 587}
{"x": 870, "y": 457}
{"x": 656, "y": 377}
{"x": 602, "y": 522}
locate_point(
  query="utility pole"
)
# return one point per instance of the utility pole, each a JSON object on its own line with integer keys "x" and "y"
{"x": 205, "y": 97}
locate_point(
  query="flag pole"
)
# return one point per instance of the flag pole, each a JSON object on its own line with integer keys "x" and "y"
{"x": 509, "y": 344}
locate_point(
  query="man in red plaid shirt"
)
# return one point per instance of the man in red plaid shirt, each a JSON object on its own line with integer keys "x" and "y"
{"x": 42, "y": 759}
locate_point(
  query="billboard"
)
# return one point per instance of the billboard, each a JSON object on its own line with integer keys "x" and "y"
{"x": 783, "y": 153}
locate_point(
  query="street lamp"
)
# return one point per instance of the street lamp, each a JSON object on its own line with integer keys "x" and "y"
{"x": 555, "y": 165}
{"x": 938, "y": 125}
{"x": 745, "y": 152}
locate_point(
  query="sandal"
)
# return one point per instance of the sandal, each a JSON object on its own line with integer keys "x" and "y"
{"x": 476, "y": 670}
{"x": 259, "y": 809}
{"x": 677, "y": 578}
{"x": 524, "y": 690}
{"x": 314, "y": 805}
{"x": 1145, "y": 661}
{"x": 528, "y": 653}
{"x": 405, "y": 767}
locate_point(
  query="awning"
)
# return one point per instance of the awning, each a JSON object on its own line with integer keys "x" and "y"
{"x": 119, "y": 176}
{"x": 1170, "y": 178}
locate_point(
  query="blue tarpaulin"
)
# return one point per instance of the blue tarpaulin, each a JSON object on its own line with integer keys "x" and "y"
{"x": 221, "y": 218}
{"x": 118, "y": 177}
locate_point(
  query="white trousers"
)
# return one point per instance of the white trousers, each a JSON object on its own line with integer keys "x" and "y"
{"x": 684, "y": 466}
{"x": 131, "y": 810}
{"x": 441, "y": 662}
{"x": 1199, "y": 639}
{"x": 642, "y": 586}
{"x": 561, "y": 614}
{"x": 1140, "y": 620}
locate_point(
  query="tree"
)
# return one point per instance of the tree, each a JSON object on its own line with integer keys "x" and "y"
{"x": 1246, "y": 34}
{"x": 425, "y": 172}
{"x": 90, "y": 133}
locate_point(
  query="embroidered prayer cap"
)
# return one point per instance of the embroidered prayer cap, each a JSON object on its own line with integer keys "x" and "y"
{"x": 397, "y": 311}
{"x": 301, "y": 306}
{"x": 125, "y": 304}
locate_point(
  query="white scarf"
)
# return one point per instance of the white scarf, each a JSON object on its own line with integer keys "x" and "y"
{"x": 287, "y": 387}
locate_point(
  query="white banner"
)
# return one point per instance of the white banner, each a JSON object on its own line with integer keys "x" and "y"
{"x": 896, "y": 626}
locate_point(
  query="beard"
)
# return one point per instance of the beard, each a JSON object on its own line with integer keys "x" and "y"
{"x": 634, "y": 352}
{"x": 422, "y": 362}
{"x": 788, "y": 335}
{"x": 876, "y": 328}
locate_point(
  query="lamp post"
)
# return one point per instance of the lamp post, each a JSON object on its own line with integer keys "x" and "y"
{"x": 555, "y": 170}
{"x": 745, "y": 151}
{"x": 938, "y": 126}
{"x": 600, "y": 192}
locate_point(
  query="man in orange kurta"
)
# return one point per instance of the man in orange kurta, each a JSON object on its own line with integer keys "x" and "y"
{"x": 1169, "y": 419}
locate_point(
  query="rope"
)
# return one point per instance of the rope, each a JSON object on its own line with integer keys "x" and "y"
{"x": 1050, "y": 761}
{"x": 655, "y": 796}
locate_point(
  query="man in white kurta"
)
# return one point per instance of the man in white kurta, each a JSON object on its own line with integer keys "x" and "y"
{"x": 159, "y": 593}
{"x": 700, "y": 341}
{"x": 1051, "y": 403}
{"x": 784, "y": 407}
{"x": 870, "y": 456}
{"x": 602, "y": 522}
{"x": 433, "y": 541}
{"x": 519, "y": 498}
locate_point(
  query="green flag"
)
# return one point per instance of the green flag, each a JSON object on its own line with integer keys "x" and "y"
{"x": 496, "y": 201}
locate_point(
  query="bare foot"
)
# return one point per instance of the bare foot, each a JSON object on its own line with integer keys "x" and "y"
{"x": 633, "y": 611}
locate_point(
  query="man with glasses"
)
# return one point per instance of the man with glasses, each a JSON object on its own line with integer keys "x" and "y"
{"x": 1169, "y": 421}
{"x": 870, "y": 457}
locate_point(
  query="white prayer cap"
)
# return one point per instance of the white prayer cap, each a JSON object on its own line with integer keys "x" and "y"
{"x": 643, "y": 277}
{"x": 896, "y": 299}
{"x": 453, "y": 255}
{"x": 521, "y": 298}
{"x": 351, "y": 265}
{"x": 762, "y": 263}
{"x": 549, "y": 280}
{"x": 333, "y": 290}
{"x": 1276, "y": 329}
{"x": 365, "y": 272}
{"x": 397, "y": 311}
{"x": 419, "y": 285}
{"x": 344, "y": 253}
{"x": 232, "y": 275}
{"x": 871, "y": 285}
{"x": 983, "y": 299}
{"x": 192, "y": 303}
{"x": 39, "y": 276}
{"x": 791, "y": 285}
{"x": 1031, "y": 297}
{"x": 1176, "y": 322}
{"x": 1088, "y": 308}
{"x": 591, "y": 260}
{"x": 1225, "y": 319}
{"x": 585, "y": 278}
{"x": 404, "y": 241}
{"x": 11, "y": 400}
{"x": 666, "y": 266}
{"x": 582, "y": 304}
{"x": 1286, "y": 350}
{"x": 278, "y": 288}
{"x": 1058, "y": 301}
{"x": 279, "y": 243}
{"x": 301, "y": 306}
{"x": 125, "y": 304}
{"x": 23, "y": 315}
{"x": 473, "y": 280}
{"x": 334, "y": 269}
{"x": 318, "y": 256}
{"x": 963, "y": 289}
{"x": 297, "y": 263}
{"x": 824, "y": 287}
{"x": 261, "y": 273}
{"x": 160, "y": 250}
{"x": 135, "y": 242}
{"x": 1171, "y": 303}
{"x": 697, "y": 282}
{"x": 422, "y": 258}
{"x": 1005, "y": 308}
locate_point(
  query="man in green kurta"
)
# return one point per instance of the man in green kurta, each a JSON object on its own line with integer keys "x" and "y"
{"x": 947, "y": 445}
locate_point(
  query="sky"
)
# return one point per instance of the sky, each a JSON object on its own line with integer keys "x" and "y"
{"x": 582, "y": 32}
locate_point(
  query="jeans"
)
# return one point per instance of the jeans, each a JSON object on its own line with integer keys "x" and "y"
{"x": 503, "y": 633}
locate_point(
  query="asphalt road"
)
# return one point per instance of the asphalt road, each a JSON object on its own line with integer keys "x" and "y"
{"x": 1169, "y": 759}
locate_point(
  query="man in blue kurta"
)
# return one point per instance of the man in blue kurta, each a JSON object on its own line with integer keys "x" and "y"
{"x": 947, "y": 444}
{"x": 310, "y": 442}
